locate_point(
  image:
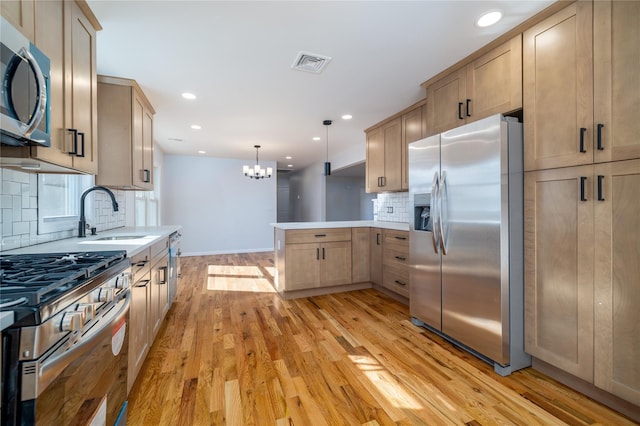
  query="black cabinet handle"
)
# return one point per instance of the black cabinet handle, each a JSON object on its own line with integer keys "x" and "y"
{"x": 164, "y": 275}
{"x": 81, "y": 134}
{"x": 460, "y": 111}
{"x": 582, "y": 148}
{"x": 377, "y": 238}
{"x": 600, "y": 194}
{"x": 583, "y": 181}
{"x": 317, "y": 254}
{"x": 599, "y": 137}
{"x": 401, "y": 258}
{"x": 322, "y": 253}
{"x": 147, "y": 175}
{"x": 142, "y": 283}
{"x": 400, "y": 238}
{"x": 400, "y": 283}
{"x": 320, "y": 235}
{"x": 74, "y": 151}
{"x": 468, "y": 105}
{"x": 384, "y": 180}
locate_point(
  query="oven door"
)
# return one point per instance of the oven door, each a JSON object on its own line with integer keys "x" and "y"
{"x": 86, "y": 385}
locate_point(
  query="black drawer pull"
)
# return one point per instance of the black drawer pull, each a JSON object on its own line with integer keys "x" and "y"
{"x": 320, "y": 235}
{"x": 400, "y": 238}
{"x": 401, "y": 258}
{"x": 400, "y": 283}
{"x": 582, "y": 147}
{"x": 600, "y": 194}
{"x": 599, "y": 137}
{"x": 460, "y": 111}
{"x": 583, "y": 181}
{"x": 142, "y": 283}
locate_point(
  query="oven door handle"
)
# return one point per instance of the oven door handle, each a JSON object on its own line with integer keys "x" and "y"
{"x": 50, "y": 369}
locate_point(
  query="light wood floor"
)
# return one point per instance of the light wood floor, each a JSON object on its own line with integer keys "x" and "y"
{"x": 232, "y": 352}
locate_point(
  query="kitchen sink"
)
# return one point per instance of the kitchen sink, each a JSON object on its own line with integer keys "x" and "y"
{"x": 121, "y": 237}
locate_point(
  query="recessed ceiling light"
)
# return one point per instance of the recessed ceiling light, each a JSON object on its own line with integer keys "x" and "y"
{"x": 316, "y": 138}
{"x": 289, "y": 165}
{"x": 347, "y": 117}
{"x": 202, "y": 152}
{"x": 196, "y": 127}
{"x": 188, "y": 95}
{"x": 288, "y": 157}
{"x": 489, "y": 18}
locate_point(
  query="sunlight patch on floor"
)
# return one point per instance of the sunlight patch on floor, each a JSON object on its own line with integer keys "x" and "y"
{"x": 385, "y": 382}
{"x": 237, "y": 278}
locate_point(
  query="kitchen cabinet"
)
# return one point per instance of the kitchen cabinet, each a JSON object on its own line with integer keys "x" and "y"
{"x": 126, "y": 131}
{"x": 376, "y": 255}
{"x": 139, "y": 340}
{"x": 20, "y": 14}
{"x": 66, "y": 33}
{"x": 486, "y": 86}
{"x": 159, "y": 286}
{"x": 580, "y": 86}
{"x": 360, "y": 255}
{"x": 317, "y": 258}
{"x": 395, "y": 261}
{"x": 414, "y": 127}
{"x": 582, "y": 245}
{"x": 384, "y": 157}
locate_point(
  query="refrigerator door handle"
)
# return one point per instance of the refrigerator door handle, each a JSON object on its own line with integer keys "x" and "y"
{"x": 433, "y": 202}
{"x": 442, "y": 212}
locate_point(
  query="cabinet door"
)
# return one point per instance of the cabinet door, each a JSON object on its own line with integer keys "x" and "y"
{"x": 494, "y": 81}
{"x": 49, "y": 37}
{"x": 376, "y": 255}
{"x": 336, "y": 263}
{"x": 137, "y": 147}
{"x": 616, "y": 53}
{"x": 21, "y": 14}
{"x": 412, "y": 130}
{"x": 81, "y": 86}
{"x": 393, "y": 148}
{"x": 559, "y": 268}
{"x": 302, "y": 266}
{"x": 445, "y": 102}
{"x": 138, "y": 326}
{"x": 360, "y": 255}
{"x": 147, "y": 149}
{"x": 558, "y": 89}
{"x": 617, "y": 278}
{"x": 375, "y": 159}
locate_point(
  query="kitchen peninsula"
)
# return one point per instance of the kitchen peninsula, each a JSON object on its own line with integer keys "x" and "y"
{"x": 314, "y": 258}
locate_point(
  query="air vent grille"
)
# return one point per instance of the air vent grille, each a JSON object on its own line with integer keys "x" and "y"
{"x": 310, "y": 62}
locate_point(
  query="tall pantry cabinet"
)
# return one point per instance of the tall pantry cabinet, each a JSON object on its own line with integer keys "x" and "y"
{"x": 582, "y": 209}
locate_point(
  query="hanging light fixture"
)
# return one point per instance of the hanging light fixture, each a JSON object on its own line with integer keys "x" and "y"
{"x": 257, "y": 172}
{"x": 327, "y": 164}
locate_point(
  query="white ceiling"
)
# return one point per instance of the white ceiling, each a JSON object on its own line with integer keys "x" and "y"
{"x": 236, "y": 57}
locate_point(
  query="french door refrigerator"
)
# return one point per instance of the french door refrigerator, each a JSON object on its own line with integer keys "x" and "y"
{"x": 466, "y": 239}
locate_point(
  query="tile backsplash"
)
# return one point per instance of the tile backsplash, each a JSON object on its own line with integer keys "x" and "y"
{"x": 391, "y": 207}
{"x": 19, "y": 212}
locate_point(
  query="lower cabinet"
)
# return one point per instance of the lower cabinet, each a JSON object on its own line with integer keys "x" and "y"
{"x": 360, "y": 255}
{"x": 395, "y": 261}
{"x": 312, "y": 265}
{"x": 582, "y": 275}
{"x": 376, "y": 255}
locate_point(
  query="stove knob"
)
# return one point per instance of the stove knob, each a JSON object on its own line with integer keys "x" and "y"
{"x": 103, "y": 295}
{"x": 71, "y": 321}
{"x": 88, "y": 310}
{"x": 122, "y": 281}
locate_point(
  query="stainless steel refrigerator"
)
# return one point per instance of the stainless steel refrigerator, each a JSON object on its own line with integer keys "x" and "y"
{"x": 466, "y": 239}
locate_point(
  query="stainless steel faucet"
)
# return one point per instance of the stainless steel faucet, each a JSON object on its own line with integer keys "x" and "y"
{"x": 82, "y": 224}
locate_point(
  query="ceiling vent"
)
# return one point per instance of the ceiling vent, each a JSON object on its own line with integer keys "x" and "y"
{"x": 310, "y": 62}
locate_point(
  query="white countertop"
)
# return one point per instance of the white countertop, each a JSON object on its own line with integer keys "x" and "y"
{"x": 398, "y": 226}
{"x": 145, "y": 237}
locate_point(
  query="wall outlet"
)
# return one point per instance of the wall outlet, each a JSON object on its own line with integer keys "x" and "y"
{"x": 389, "y": 209}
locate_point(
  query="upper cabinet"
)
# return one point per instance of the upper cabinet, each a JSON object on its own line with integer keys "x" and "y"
{"x": 387, "y": 145}
{"x": 580, "y": 96}
{"x": 488, "y": 85}
{"x": 125, "y": 130}
{"x": 65, "y": 31}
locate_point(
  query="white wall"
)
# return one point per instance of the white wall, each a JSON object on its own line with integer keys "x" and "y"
{"x": 347, "y": 199}
{"x": 307, "y": 194}
{"x": 220, "y": 210}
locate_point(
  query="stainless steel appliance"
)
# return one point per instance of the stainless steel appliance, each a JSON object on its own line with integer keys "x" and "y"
{"x": 24, "y": 103}
{"x": 65, "y": 357}
{"x": 466, "y": 249}
{"x": 174, "y": 265}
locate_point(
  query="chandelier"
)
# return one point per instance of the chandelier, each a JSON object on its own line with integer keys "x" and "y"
{"x": 257, "y": 172}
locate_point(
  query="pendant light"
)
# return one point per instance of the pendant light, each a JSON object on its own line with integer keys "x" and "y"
{"x": 327, "y": 164}
{"x": 257, "y": 172}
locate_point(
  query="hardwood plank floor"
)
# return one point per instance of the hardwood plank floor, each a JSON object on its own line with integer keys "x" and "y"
{"x": 232, "y": 352}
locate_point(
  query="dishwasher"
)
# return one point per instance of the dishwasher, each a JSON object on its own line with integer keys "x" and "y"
{"x": 174, "y": 265}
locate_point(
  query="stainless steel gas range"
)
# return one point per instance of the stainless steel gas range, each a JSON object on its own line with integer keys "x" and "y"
{"x": 64, "y": 360}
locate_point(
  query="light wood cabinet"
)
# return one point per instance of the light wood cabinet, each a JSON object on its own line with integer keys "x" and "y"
{"x": 489, "y": 85}
{"x": 126, "y": 132}
{"x": 580, "y": 86}
{"x": 20, "y": 14}
{"x": 376, "y": 255}
{"x": 317, "y": 258}
{"x": 384, "y": 157}
{"x": 159, "y": 300}
{"x": 66, "y": 32}
{"x": 414, "y": 127}
{"x": 395, "y": 261}
{"x": 360, "y": 255}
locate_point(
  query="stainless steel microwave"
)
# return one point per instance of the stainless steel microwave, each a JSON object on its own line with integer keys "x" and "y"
{"x": 24, "y": 102}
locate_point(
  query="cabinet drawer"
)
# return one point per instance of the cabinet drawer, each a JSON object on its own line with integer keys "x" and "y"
{"x": 160, "y": 248}
{"x": 140, "y": 264}
{"x": 398, "y": 238}
{"x": 295, "y": 236}
{"x": 396, "y": 279}
{"x": 396, "y": 255}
